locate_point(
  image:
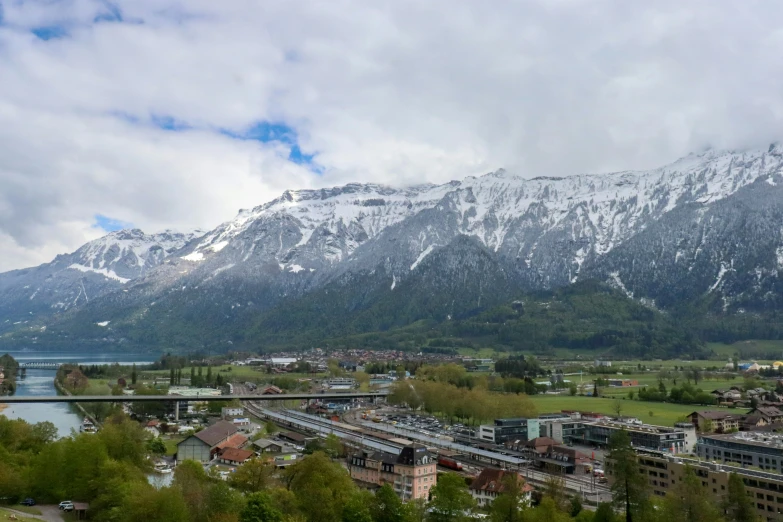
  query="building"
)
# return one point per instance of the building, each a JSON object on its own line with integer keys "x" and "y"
{"x": 665, "y": 471}
{"x": 562, "y": 430}
{"x": 267, "y": 446}
{"x": 271, "y": 390}
{"x": 203, "y": 446}
{"x": 714, "y": 421}
{"x": 235, "y": 457}
{"x": 292, "y": 436}
{"x": 770, "y": 414}
{"x": 243, "y": 424}
{"x": 762, "y": 450}
{"x": 412, "y": 473}
{"x": 600, "y": 363}
{"x": 623, "y": 382}
{"x": 230, "y": 413}
{"x": 679, "y": 439}
{"x": 504, "y": 430}
{"x": 547, "y": 454}
{"x": 490, "y": 483}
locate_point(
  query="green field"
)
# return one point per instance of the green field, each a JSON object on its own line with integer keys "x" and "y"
{"x": 660, "y": 413}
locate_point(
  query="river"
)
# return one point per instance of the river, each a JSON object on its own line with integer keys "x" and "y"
{"x": 41, "y": 382}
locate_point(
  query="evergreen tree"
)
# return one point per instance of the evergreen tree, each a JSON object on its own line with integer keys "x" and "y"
{"x": 171, "y": 377}
{"x": 192, "y": 375}
{"x": 209, "y": 374}
{"x": 737, "y": 506}
{"x": 133, "y": 374}
{"x": 629, "y": 489}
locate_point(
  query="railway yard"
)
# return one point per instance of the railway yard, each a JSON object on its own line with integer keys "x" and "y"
{"x": 453, "y": 445}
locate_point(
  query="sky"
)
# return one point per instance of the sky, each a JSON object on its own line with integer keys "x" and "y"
{"x": 175, "y": 114}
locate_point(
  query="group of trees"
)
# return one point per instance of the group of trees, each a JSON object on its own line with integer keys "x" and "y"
{"x": 468, "y": 405}
{"x": 686, "y": 393}
{"x": 9, "y": 367}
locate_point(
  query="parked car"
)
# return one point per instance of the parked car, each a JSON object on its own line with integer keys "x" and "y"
{"x": 28, "y": 502}
{"x": 66, "y": 505}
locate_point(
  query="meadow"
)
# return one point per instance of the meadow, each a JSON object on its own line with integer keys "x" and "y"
{"x": 664, "y": 414}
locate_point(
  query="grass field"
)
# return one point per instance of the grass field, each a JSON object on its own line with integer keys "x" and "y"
{"x": 660, "y": 413}
{"x": 6, "y": 515}
{"x": 171, "y": 444}
{"x": 26, "y": 509}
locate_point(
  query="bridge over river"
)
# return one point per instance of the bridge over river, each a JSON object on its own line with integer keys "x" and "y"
{"x": 40, "y": 365}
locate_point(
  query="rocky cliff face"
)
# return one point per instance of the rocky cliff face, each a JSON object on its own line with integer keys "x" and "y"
{"x": 707, "y": 227}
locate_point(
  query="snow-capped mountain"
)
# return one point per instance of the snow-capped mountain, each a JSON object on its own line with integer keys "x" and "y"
{"x": 71, "y": 280}
{"x": 706, "y": 226}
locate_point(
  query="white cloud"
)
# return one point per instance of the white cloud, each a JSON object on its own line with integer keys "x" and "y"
{"x": 395, "y": 92}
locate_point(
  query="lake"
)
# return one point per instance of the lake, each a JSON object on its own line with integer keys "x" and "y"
{"x": 41, "y": 382}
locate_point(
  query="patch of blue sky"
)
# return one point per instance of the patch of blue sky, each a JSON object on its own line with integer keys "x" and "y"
{"x": 270, "y": 131}
{"x": 166, "y": 122}
{"x": 110, "y": 224}
{"x": 50, "y": 32}
{"x": 111, "y": 13}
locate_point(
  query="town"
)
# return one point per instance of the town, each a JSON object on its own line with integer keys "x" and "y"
{"x": 397, "y": 437}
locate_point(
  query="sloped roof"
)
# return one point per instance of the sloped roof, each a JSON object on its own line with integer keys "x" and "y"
{"x": 491, "y": 480}
{"x": 237, "y": 440}
{"x": 216, "y": 433}
{"x": 236, "y": 455}
{"x": 768, "y": 411}
{"x": 715, "y": 415}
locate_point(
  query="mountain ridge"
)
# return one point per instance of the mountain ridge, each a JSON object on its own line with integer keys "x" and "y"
{"x": 639, "y": 231}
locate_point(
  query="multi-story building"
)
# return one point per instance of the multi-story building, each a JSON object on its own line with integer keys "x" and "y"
{"x": 715, "y": 421}
{"x": 762, "y": 450}
{"x": 665, "y": 471}
{"x": 491, "y": 482}
{"x": 412, "y": 473}
{"x": 504, "y": 430}
{"x": 679, "y": 439}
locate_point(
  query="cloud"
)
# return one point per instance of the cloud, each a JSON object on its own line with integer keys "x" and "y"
{"x": 174, "y": 114}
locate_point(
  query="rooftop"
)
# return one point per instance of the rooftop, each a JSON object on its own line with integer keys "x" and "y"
{"x": 491, "y": 479}
{"x": 216, "y": 433}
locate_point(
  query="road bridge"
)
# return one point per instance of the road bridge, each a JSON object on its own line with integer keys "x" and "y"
{"x": 187, "y": 398}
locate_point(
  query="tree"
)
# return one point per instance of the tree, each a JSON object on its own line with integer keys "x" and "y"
{"x": 156, "y": 446}
{"x": 604, "y": 513}
{"x": 629, "y": 489}
{"x": 254, "y": 475}
{"x": 689, "y": 501}
{"x": 595, "y": 389}
{"x": 617, "y": 408}
{"x": 576, "y": 505}
{"x": 192, "y": 375}
{"x": 451, "y": 498}
{"x": 333, "y": 446}
{"x": 259, "y": 508}
{"x": 358, "y": 507}
{"x": 172, "y": 377}
{"x": 209, "y": 374}
{"x": 547, "y": 511}
{"x": 387, "y": 506}
{"x": 133, "y": 374}
{"x": 737, "y": 505}
{"x": 572, "y": 389}
{"x": 416, "y": 510}
{"x": 509, "y": 506}
{"x": 554, "y": 488}
{"x": 321, "y": 487}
